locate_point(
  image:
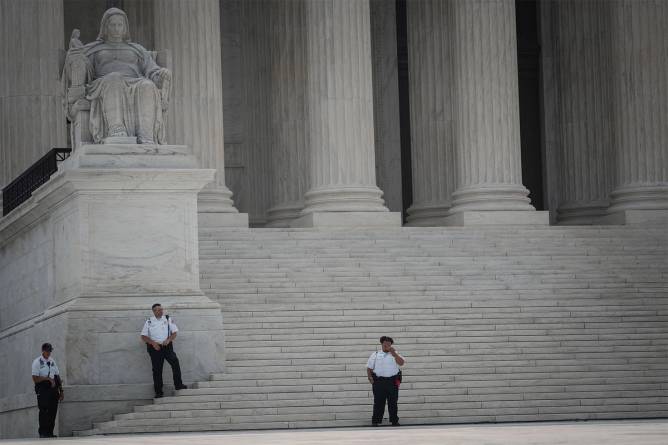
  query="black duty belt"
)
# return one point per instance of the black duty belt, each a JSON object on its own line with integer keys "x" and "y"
{"x": 388, "y": 378}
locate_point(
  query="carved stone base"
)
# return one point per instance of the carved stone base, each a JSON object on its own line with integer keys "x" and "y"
{"x": 84, "y": 258}
{"x": 120, "y": 140}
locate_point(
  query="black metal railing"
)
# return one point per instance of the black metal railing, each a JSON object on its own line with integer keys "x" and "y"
{"x": 30, "y": 180}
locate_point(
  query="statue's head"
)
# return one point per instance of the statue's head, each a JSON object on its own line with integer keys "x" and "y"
{"x": 114, "y": 26}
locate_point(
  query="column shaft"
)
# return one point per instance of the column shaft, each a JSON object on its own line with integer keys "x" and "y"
{"x": 432, "y": 123}
{"x": 340, "y": 108}
{"x": 487, "y": 127}
{"x": 641, "y": 105}
{"x": 256, "y": 106}
{"x": 140, "y": 14}
{"x": 289, "y": 154}
{"x": 582, "y": 30}
{"x": 32, "y": 117}
{"x": 386, "y": 106}
{"x": 190, "y": 30}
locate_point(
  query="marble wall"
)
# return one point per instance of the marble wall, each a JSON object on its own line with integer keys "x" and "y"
{"x": 114, "y": 231}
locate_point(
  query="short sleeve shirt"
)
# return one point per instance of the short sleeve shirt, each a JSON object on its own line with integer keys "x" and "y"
{"x": 158, "y": 329}
{"x": 383, "y": 364}
{"x": 42, "y": 367}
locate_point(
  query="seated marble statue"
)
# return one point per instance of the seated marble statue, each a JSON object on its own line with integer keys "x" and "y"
{"x": 125, "y": 88}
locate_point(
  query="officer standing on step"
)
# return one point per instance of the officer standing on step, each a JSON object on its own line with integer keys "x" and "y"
{"x": 384, "y": 374}
{"x": 49, "y": 390}
{"x": 159, "y": 333}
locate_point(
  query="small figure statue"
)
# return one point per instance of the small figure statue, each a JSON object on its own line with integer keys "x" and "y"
{"x": 126, "y": 90}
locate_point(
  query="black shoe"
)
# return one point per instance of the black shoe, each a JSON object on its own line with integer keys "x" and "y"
{"x": 374, "y": 424}
{"x": 395, "y": 424}
{"x": 159, "y": 395}
{"x": 181, "y": 387}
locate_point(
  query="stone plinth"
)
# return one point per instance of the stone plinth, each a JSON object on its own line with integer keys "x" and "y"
{"x": 83, "y": 260}
{"x": 349, "y": 219}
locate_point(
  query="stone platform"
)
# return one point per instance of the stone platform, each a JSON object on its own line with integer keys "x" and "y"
{"x": 497, "y": 324}
{"x": 648, "y": 432}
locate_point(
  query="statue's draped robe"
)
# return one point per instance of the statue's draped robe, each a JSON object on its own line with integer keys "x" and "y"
{"x": 127, "y": 65}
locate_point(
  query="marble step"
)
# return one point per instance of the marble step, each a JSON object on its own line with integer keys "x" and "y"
{"x": 357, "y": 415}
{"x": 307, "y": 405}
{"x": 356, "y": 412}
{"x": 480, "y": 391}
{"x": 497, "y": 324}
{"x": 457, "y": 417}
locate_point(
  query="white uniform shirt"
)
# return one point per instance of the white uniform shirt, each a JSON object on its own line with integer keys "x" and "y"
{"x": 383, "y": 364}
{"x": 43, "y": 367}
{"x": 156, "y": 329}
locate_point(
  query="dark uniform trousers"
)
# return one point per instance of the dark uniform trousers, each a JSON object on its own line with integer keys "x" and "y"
{"x": 385, "y": 389}
{"x": 158, "y": 359}
{"x": 47, "y": 402}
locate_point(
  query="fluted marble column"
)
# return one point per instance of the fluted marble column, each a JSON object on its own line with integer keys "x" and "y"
{"x": 487, "y": 126}
{"x": 140, "y": 15}
{"x": 32, "y": 117}
{"x": 640, "y": 109}
{"x": 340, "y": 118}
{"x": 432, "y": 122}
{"x": 583, "y": 37}
{"x": 256, "y": 98}
{"x": 386, "y": 102}
{"x": 190, "y": 30}
{"x": 289, "y": 154}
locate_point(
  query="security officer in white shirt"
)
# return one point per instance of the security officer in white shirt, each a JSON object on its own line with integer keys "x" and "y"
{"x": 48, "y": 387}
{"x": 384, "y": 374}
{"x": 159, "y": 333}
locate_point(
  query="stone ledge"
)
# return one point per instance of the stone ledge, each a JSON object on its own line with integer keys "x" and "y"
{"x": 498, "y": 217}
{"x": 626, "y": 217}
{"x": 348, "y": 219}
{"x": 131, "y": 156}
{"x": 212, "y": 220}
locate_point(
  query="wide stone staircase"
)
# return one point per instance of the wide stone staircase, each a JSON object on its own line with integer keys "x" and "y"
{"x": 496, "y": 324}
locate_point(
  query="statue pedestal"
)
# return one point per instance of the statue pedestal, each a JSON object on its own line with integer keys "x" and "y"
{"x": 121, "y": 140}
{"x": 83, "y": 260}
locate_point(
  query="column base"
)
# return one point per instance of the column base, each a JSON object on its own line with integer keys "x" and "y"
{"x": 348, "y": 219}
{"x": 639, "y": 197}
{"x": 629, "y": 217}
{"x": 344, "y": 199}
{"x": 491, "y": 198}
{"x": 216, "y": 209}
{"x": 497, "y": 217}
{"x": 282, "y": 215}
{"x": 427, "y": 214}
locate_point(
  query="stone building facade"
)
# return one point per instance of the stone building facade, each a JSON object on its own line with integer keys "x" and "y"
{"x": 313, "y": 113}
{"x": 552, "y": 92}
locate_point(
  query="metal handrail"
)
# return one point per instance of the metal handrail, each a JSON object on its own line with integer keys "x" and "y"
{"x": 21, "y": 188}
